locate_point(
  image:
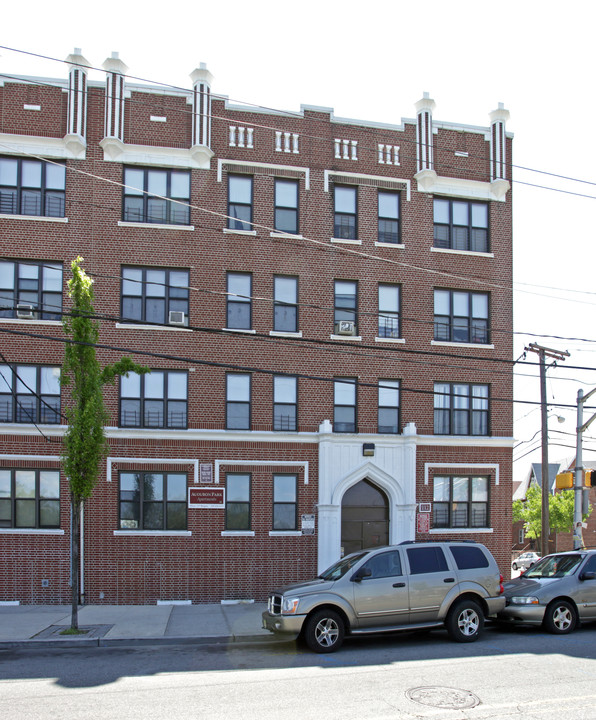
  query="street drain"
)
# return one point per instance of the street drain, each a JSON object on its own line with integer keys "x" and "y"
{"x": 443, "y": 697}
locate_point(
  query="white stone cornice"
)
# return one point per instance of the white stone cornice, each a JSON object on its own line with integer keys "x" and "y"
{"x": 430, "y": 182}
{"x": 70, "y": 147}
{"x": 196, "y": 157}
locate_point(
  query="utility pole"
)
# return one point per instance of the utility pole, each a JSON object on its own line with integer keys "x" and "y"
{"x": 578, "y": 540}
{"x": 543, "y": 353}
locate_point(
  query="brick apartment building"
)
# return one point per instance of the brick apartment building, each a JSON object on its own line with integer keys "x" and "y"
{"x": 326, "y": 308}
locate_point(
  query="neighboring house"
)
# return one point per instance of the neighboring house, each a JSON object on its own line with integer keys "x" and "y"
{"x": 558, "y": 541}
{"x": 323, "y": 302}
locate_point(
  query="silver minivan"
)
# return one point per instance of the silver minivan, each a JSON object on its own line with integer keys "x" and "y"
{"x": 412, "y": 586}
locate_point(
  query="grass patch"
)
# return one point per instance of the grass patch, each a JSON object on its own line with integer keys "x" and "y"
{"x": 73, "y": 631}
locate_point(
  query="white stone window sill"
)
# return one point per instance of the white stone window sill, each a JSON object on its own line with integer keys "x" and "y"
{"x": 155, "y": 226}
{"x": 480, "y": 346}
{"x": 30, "y": 321}
{"x": 285, "y": 533}
{"x": 342, "y": 241}
{"x": 396, "y": 341}
{"x": 139, "y": 326}
{"x": 459, "y": 531}
{"x": 31, "y": 531}
{"x": 152, "y": 533}
{"x": 231, "y": 231}
{"x": 278, "y": 234}
{"x": 237, "y": 533}
{"x": 239, "y": 330}
{"x": 279, "y": 333}
{"x": 399, "y": 246}
{"x": 449, "y": 251}
{"x": 352, "y": 338}
{"x": 37, "y": 218}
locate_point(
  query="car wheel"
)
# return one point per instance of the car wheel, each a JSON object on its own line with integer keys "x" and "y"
{"x": 514, "y": 566}
{"x": 324, "y": 631}
{"x": 465, "y": 621}
{"x": 560, "y": 617}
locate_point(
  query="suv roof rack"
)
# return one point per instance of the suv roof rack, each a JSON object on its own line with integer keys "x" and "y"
{"x": 441, "y": 540}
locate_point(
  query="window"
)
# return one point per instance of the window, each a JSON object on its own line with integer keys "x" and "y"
{"x": 285, "y": 304}
{"x": 388, "y": 217}
{"x": 151, "y": 295}
{"x": 285, "y": 403}
{"x": 468, "y": 557}
{"x": 29, "y": 498}
{"x": 387, "y": 564}
{"x": 461, "y": 225}
{"x": 344, "y": 410}
{"x": 345, "y": 302}
{"x": 156, "y": 196}
{"x": 152, "y": 501}
{"x": 156, "y": 400}
{"x": 27, "y": 286}
{"x": 344, "y": 222}
{"x": 285, "y": 502}
{"x": 388, "y": 421}
{"x": 239, "y": 302}
{"x": 237, "y": 401}
{"x": 240, "y": 202}
{"x": 389, "y": 297}
{"x": 460, "y": 502}
{"x": 286, "y": 206}
{"x": 29, "y": 394}
{"x": 237, "y": 501}
{"x": 461, "y": 316}
{"x": 461, "y": 409}
{"x": 426, "y": 560}
{"x": 32, "y": 187}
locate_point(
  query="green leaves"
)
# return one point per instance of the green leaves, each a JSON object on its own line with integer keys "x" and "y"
{"x": 560, "y": 512}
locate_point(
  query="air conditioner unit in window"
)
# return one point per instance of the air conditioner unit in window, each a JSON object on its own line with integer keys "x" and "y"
{"x": 25, "y": 311}
{"x": 345, "y": 327}
{"x": 176, "y": 317}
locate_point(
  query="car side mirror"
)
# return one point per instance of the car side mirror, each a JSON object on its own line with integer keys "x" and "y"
{"x": 588, "y": 575}
{"x": 360, "y": 574}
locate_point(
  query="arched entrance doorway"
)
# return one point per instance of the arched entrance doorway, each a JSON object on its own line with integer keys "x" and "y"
{"x": 364, "y": 517}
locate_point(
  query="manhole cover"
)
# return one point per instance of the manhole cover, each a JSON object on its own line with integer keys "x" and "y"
{"x": 443, "y": 697}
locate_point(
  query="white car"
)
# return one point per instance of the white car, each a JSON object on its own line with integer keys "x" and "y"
{"x": 524, "y": 561}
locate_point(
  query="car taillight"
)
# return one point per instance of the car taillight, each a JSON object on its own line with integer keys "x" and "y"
{"x": 501, "y": 588}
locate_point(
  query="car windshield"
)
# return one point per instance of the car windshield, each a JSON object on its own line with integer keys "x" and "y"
{"x": 554, "y": 566}
{"x": 341, "y": 567}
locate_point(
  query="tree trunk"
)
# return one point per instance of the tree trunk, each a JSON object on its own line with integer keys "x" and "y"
{"x": 74, "y": 562}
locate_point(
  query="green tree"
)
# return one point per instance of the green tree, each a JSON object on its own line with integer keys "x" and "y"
{"x": 560, "y": 512}
{"x": 85, "y": 442}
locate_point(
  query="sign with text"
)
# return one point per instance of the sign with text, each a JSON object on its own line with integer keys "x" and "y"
{"x": 205, "y": 473}
{"x": 423, "y": 522}
{"x": 308, "y": 524}
{"x": 206, "y": 497}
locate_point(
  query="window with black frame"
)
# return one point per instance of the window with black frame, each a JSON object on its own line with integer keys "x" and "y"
{"x": 240, "y": 202}
{"x": 345, "y": 307}
{"x": 239, "y": 301}
{"x": 155, "y": 295}
{"x": 31, "y": 289}
{"x": 29, "y": 394}
{"x": 155, "y": 195}
{"x": 238, "y": 408}
{"x": 285, "y": 402}
{"x": 238, "y": 501}
{"x": 388, "y": 221}
{"x": 32, "y": 187}
{"x": 461, "y": 316}
{"x": 285, "y": 304}
{"x": 461, "y": 409}
{"x": 388, "y": 409}
{"x": 345, "y": 226}
{"x": 461, "y": 225}
{"x": 344, "y": 405}
{"x": 460, "y": 501}
{"x": 29, "y": 498}
{"x": 158, "y": 399}
{"x": 152, "y": 501}
{"x": 286, "y": 206}
{"x": 389, "y": 302}
{"x": 285, "y": 502}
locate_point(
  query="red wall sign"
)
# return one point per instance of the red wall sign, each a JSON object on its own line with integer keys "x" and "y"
{"x": 423, "y": 522}
{"x": 206, "y": 497}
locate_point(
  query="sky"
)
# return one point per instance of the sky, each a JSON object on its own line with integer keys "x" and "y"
{"x": 372, "y": 61}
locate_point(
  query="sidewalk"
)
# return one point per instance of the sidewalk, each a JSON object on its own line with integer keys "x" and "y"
{"x": 111, "y": 625}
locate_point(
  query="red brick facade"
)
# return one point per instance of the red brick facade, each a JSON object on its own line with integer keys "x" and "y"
{"x": 203, "y": 562}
